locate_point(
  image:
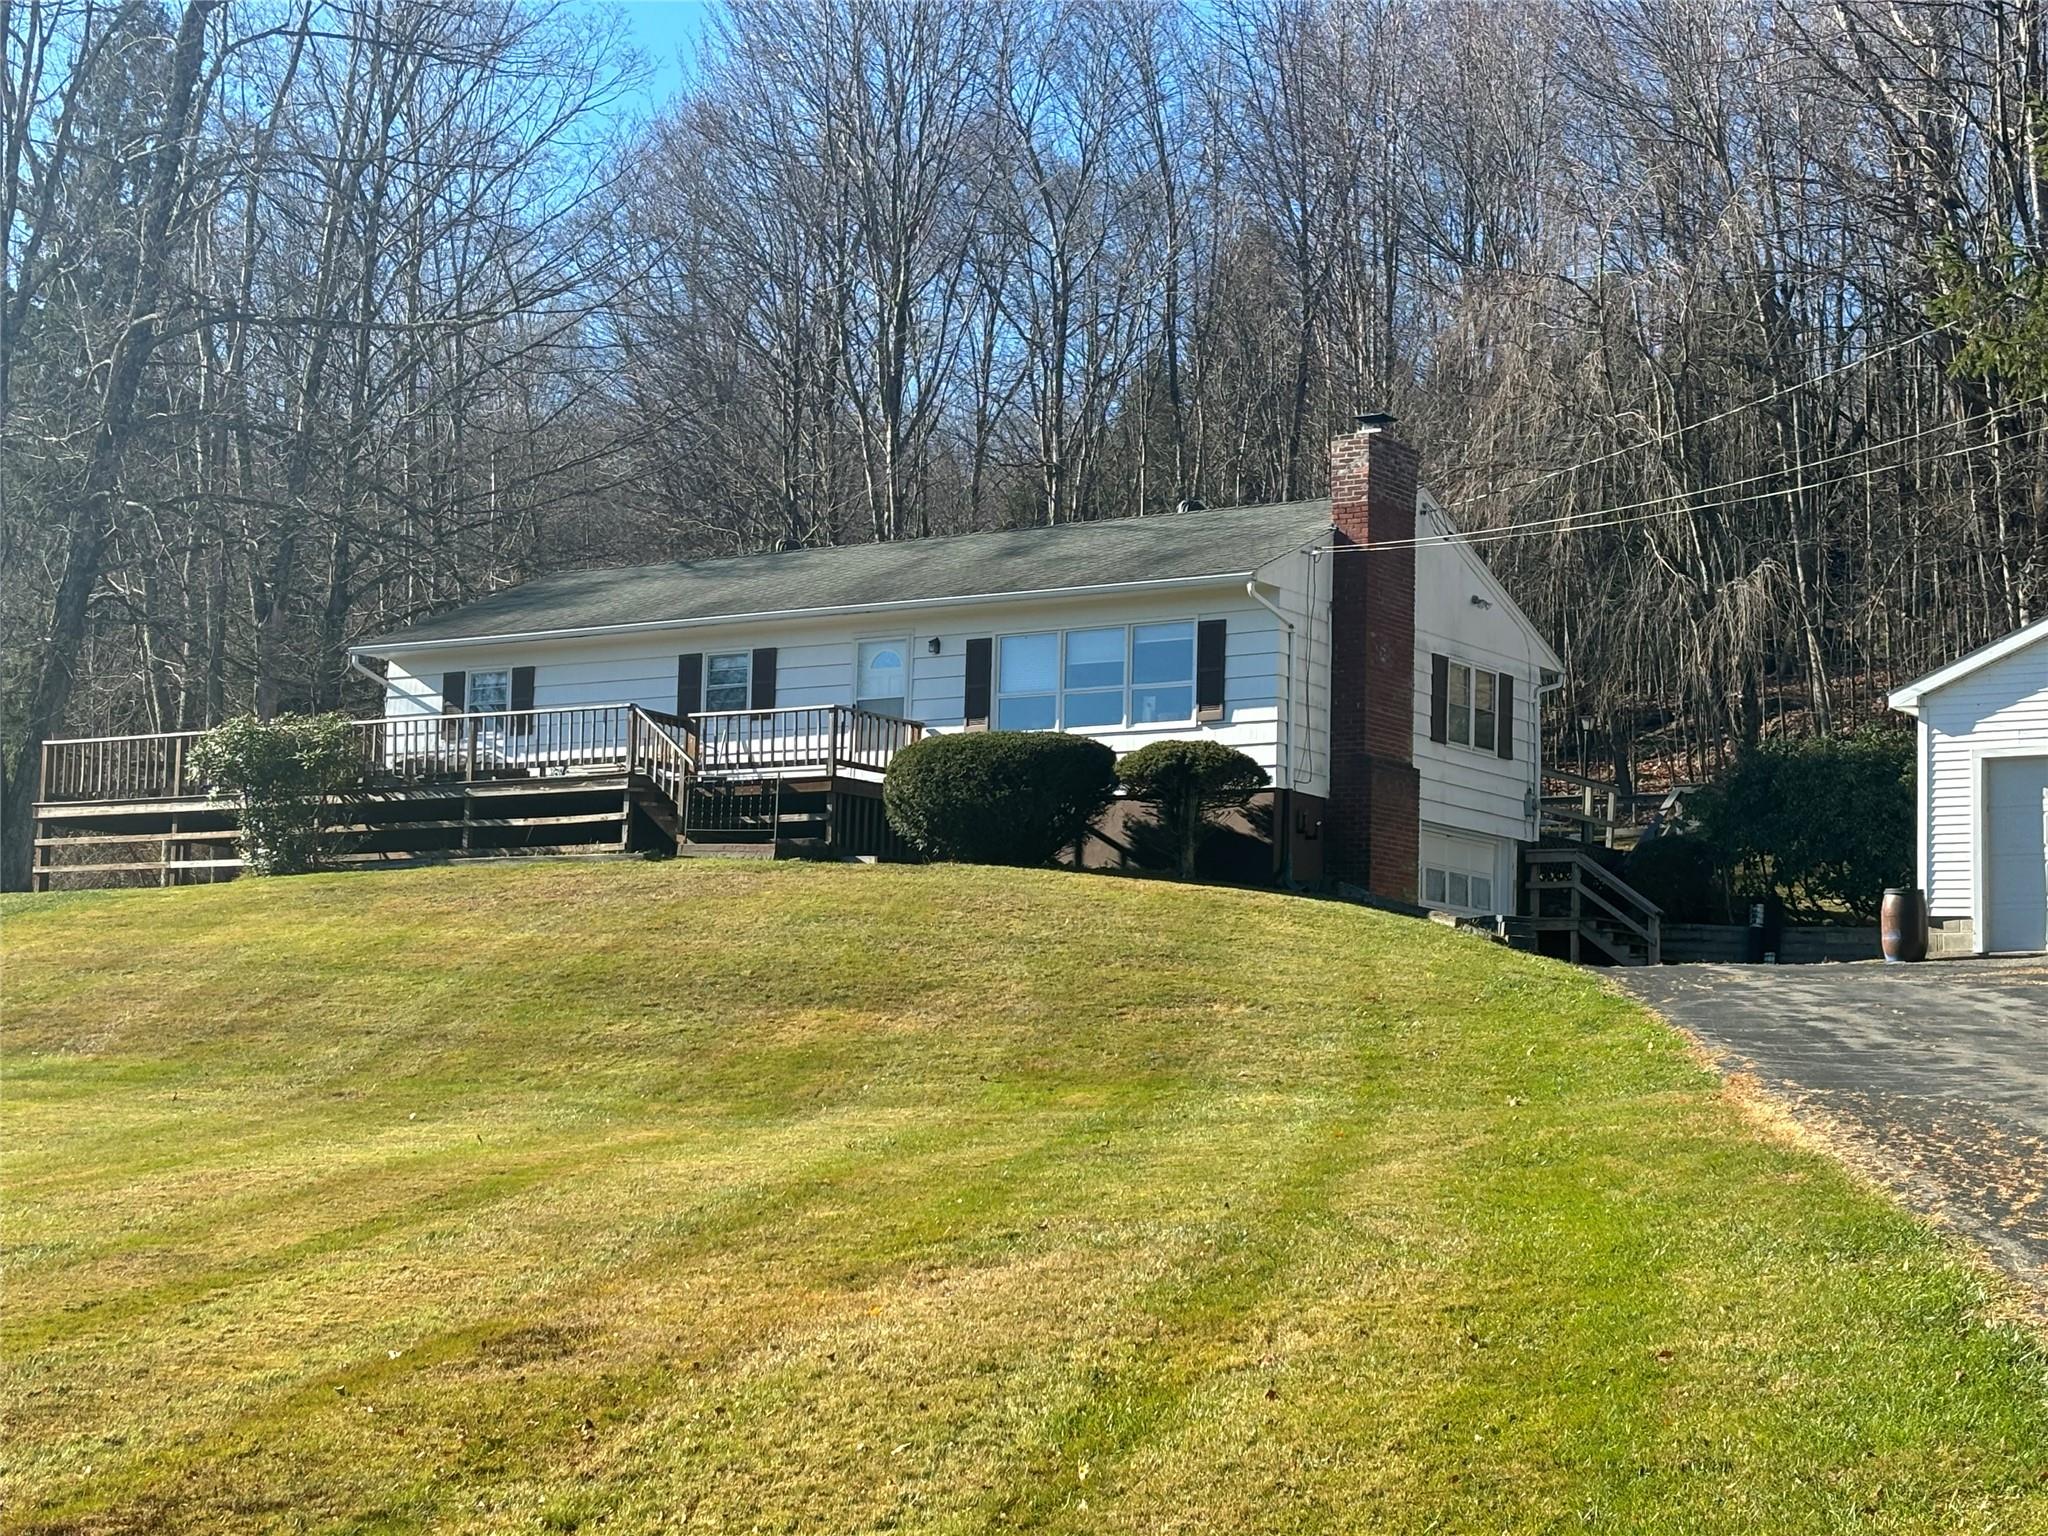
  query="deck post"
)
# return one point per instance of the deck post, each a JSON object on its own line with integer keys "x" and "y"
{"x": 43, "y": 775}
{"x": 177, "y": 766}
{"x": 468, "y": 760}
{"x": 832, "y": 753}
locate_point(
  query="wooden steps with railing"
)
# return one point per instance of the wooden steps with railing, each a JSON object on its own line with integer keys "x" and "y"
{"x": 1607, "y": 921}
{"x": 1595, "y": 811}
{"x": 613, "y": 778}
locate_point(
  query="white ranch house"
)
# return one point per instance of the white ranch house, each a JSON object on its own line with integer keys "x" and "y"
{"x": 1355, "y": 646}
{"x": 1264, "y": 627}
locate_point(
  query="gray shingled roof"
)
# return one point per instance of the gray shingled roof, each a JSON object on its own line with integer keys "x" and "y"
{"x": 1222, "y": 541}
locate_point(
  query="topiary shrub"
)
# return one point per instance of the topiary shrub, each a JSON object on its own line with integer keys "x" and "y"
{"x": 1824, "y": 824}
{"x": 998, "y": 797}
{"x": 1186, "y": 782}
{"x": 284, "y": 770}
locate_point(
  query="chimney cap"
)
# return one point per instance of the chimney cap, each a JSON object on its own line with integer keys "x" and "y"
{"x": 1374, "y": 421}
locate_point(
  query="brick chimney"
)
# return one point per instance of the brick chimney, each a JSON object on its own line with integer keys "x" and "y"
{"x": 1373, "y": 824}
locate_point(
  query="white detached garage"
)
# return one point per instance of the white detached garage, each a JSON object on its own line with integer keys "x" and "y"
{"x": 1983, "y": 782}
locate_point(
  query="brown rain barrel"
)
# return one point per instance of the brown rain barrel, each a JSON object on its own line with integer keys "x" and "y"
{"x": 1903, "y": 923}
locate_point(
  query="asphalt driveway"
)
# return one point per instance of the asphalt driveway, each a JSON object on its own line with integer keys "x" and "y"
{"x": 1936, "y": 1075}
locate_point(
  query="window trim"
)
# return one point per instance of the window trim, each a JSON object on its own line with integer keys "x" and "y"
{"x": 998, "y": 693}
{"x": 469, "y": 706}
{"x": 1130, "y": 687}
{"x": 746, "y": 687}
{"x": 1469, "y": 712}
{"x": 1447, "y": 874}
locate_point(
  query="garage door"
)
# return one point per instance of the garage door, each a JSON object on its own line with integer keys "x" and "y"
{"x": 2016, "y": 853}
{"x": 1459, "y": 873}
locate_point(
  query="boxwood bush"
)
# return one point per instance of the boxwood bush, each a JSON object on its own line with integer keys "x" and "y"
{"x": 998, "y": 797}
{"x": 1186, "y": 782}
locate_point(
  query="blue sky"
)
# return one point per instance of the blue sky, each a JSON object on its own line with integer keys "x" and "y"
{"x": 664, "y": 30}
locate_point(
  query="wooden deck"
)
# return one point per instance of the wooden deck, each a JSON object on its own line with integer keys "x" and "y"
{"x": 605, "y": 779}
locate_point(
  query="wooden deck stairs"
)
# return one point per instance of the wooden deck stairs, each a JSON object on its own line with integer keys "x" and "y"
{"x": 1587, "y": 914}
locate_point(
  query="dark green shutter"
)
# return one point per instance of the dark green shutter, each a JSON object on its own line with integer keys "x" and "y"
{"x": 980, "y": 668}
{"x": 522, "y": 699}
{"x": 454, "y": 695}
{"x": 1504, "y": 709}
{"x": 1211, "y": 636}
{"x": 763, "y": 692}
{"x": 1439, "y": 698}
{"x": 689, "y": 684}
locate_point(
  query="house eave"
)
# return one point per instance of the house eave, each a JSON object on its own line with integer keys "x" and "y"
{"x": 1907, "y": 700}
{"x": 399, "y": 645}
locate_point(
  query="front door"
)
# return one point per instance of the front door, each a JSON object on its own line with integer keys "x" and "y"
{"x": 883, "y": 681}
{"x": 2015, "y": 851}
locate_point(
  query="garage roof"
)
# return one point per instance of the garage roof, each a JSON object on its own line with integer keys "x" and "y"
{"x": 1908, "y": 698}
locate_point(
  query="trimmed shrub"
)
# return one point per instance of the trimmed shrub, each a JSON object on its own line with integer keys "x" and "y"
{"x": 284, "y": 770}
{"x": 1824, "y": 824}
{"x": 1186, "y": 782}
{"x": 998, "y": 797}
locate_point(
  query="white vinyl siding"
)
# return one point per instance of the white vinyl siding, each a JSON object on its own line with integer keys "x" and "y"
{"x": 1466, "y": 785}
{"x": 817, "y": 661}
{"x": 2001, "y": 709}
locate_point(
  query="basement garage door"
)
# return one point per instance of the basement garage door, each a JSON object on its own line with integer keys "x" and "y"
{"x": 1462, "y": 874}
{"x": 2015, "y": 853}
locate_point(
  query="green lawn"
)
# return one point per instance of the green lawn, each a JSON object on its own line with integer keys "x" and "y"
{"x": 785, "y": 1198}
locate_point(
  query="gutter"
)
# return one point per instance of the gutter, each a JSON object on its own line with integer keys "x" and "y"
{"x": 399, "y": 645}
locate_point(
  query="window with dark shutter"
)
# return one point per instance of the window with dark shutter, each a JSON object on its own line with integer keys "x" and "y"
{"x": 764, "y": 678}
{"x": 1504, "y": 706}
{"x": 522, "y": 699}
{"x": 1211, "y": 636}
{"x": 980, "y": 668}
{"x": 1439, "y": 698}
{"x": 689, "y": 684}
{"x": 454, "y": 696}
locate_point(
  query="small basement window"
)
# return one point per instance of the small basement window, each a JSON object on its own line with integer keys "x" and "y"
{"x": 1457, "y": 890}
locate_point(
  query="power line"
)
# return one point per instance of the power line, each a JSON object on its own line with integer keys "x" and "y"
{"x": 1770, "y": 474}
{"x": 1603, "y": 517}
{"x": 1706, "y": 421}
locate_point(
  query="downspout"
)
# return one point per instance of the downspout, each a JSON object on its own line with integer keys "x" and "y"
{"x": 1285, "y": 830}
{"x": 355, "y": 665}
{"x": 1536, "y": 769}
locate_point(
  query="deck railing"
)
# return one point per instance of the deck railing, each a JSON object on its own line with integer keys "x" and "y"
{"x": 499, "y": 744}
{"x": 816, "y": 738}
{"x": 116, "y": 767}
{"x": 518, "y": 744}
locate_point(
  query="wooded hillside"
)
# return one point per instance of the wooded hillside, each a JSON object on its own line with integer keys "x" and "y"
{"x": 1731, "y": 320}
